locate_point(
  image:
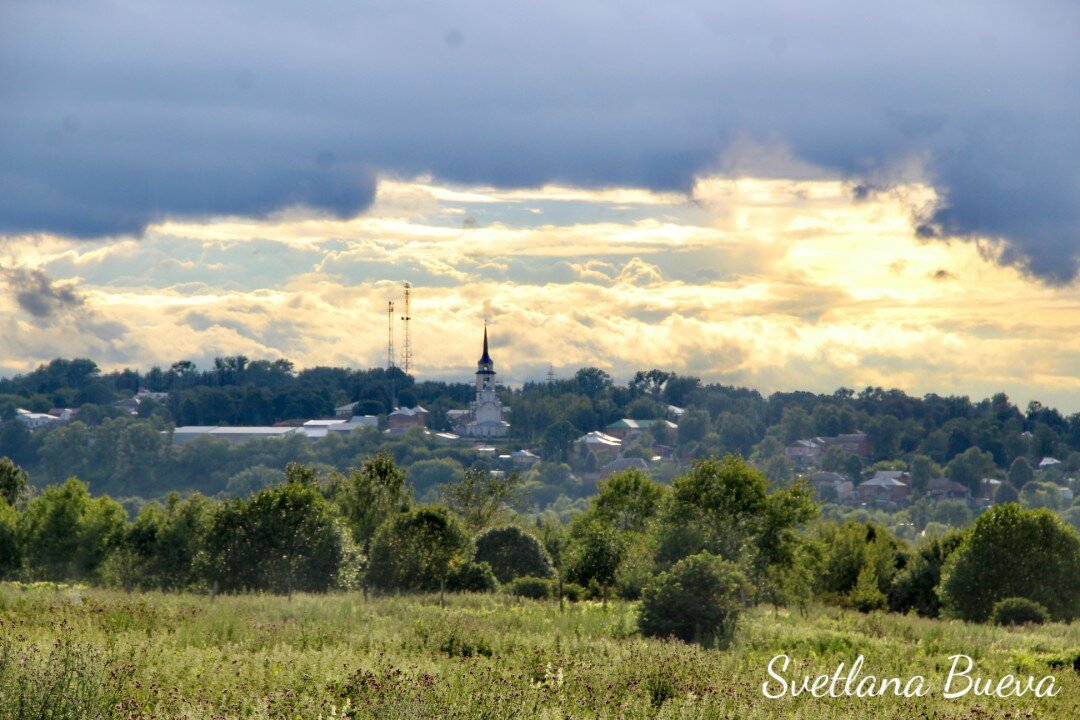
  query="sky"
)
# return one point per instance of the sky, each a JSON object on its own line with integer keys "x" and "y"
{"x": 772, "y": 194}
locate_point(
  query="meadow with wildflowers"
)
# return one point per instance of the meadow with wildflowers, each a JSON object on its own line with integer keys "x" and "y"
{"x": 76, "y": 652}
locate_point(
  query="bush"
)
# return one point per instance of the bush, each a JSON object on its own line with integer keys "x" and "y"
{"x": 851, "y": 549}
{"x": 532, "y": 587}
{"x": 511, "y": 552}
{"x": 281, "y": 539}
{"x": 914, "y": 587}
{"x": 573, "y": 592}
{"x": 472, "y": 577}
{"x": 465, "y": 643}
{"x": 414, "y": 551}
{"x": 699, "y": 600}
{"x": 1018, "y": 611}
{"x": 866, "y": 596}
{"x": 1010, "y": 552}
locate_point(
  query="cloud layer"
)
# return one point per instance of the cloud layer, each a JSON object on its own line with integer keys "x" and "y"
{"x": 775, "y": 283}
{"x": 115, "y": 116}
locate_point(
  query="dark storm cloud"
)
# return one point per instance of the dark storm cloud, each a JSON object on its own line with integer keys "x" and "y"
{"x": 115, "y": 114}
{"x": 35, "y": 293}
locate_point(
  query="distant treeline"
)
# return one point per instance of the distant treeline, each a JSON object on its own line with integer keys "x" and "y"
{"x": 115, "y": 454}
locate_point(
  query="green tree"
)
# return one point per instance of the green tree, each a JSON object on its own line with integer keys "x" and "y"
{"x": 480, "y": 495}
{"x": 471, "y": 577}
{"x": 784, "y": 561}
{"x": 65, "y": 451}
{"x": 854, "y": 469}
{"x": 593, "y": 553}
{"x": 159, "y": 549}
{"x": 1042, "y": 495}
{"x": 737, "y": 434}
{"x": 138, "y": 447}
{"x": 644, "y": 408}
{"x": 592, "y": 382}
{"x": 251, "y": 480}
{"x": 1006, "y": 494}
{"x": 915, "y": 586}
{"x": 427, "y": 474}
{"x": 369, "y": 495}
{"x": 511, "y": 552}
{"x": 628, "y": 500}
{"x": 951, "y": 512}
{"x": 693, "y": 426}
{"x": 1021, "y": 473}
{"x": 698, "y": 600}
{"x": 16, "y": 442}
{"x": 11, "y": 549}
{"x": 923, "y": 470}
{"x": 67, "y": 534}
{"x": 557, "y": 440}
{"x": 1010, "y": 552}
{"x": 417, "y": 550}
{"x": 14, "y": 483}
{"x": 282, "y": 539}
{"x": 723, "y": 507}
{"x": 179, "y": 539}
{"x": 849, "y": 549}
{"x": 834, "y": 460}
{"x": 970, "y": 467}
{"x": 867, "y": 596}
{"x": 1018, "y": 611}
{"x": 718, "y": 507}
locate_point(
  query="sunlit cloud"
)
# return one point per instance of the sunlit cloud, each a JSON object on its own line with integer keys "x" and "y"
{"x": 779, "y": 284}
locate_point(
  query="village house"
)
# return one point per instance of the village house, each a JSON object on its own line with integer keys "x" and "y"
{"x": 1048, "y": 462}
{"x": 805, "y": 452}
{"x": 627, "y": 429}
{"x": 944, "y": 489}
{"x": 346, "y": 411}
{"x": 34, "y": 420}
{"x": 886, "y": 486}
{"x": 599, "y": 444}
{"x": 406, "y": 418}
{"x": 809, "y": 450}
{"x": 64, "y": 414}
{"x": 524, "y": 459}
{"x": 832, "y": 487}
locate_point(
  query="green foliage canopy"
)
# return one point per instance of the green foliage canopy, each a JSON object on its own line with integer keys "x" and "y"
{"x": 1010, "y": 552}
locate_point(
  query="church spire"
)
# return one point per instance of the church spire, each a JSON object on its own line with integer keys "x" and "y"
{"x": 485, "y": 358}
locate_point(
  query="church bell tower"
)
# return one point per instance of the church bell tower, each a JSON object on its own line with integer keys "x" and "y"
{"x": 485, "y": 368}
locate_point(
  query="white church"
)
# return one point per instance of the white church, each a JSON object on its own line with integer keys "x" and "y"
{"x": 485, "y": 416}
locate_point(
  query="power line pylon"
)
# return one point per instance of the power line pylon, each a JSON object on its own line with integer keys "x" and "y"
{"x": 406, "y": 350}
{"x": 390, "y": 334}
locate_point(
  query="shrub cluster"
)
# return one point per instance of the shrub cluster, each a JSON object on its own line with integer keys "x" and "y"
{"x": 532, "y": 587}
{"x": 699, "y": 600}
{"x": 1018, "y": 611}
{"x": 472, "y": 577}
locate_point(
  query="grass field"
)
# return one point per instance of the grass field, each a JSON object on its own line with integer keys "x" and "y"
{"x": 75, "y": 652}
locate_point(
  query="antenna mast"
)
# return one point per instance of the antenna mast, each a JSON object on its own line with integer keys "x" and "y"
{"x": 406, "y": 351}
{"x": 390, "y": 334}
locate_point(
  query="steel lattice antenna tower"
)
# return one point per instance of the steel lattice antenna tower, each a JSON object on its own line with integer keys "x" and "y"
{"x": 390, "y": 334}
{"x": 406, "y": 350}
